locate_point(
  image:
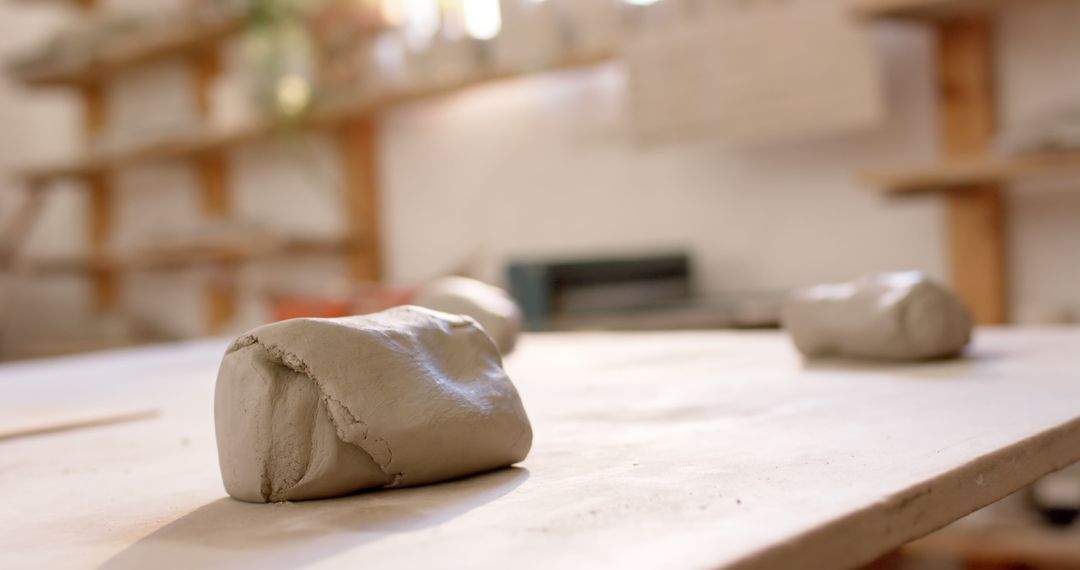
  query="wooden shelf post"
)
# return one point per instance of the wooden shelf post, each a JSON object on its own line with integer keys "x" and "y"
{"x": 359, "y": 155}
{"x": 976, "y": 214}
{"x": 212, "y": 166}
{"x": 100, "y": 195}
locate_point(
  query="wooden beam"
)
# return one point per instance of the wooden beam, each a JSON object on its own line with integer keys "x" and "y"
{"x": 221, "y": 295}
{"x": 94, "y": 112}
{"x": 930, "y": 11}
{"x": 326, "y": 117}
{"x": 214, "y": 182}
{"x": 221, "y": 301}
{"x": 924, "y": 9}
{"x": 1018, "y": 546}
{"x": 85, "y": 6}
{"x": 966, "y": 84}
{"x": 106, "y": 285}
{"x": 206, "y": 67}
{"x": 359, "y": 155}
{"x": 211, "y": 164}
{"x": 948, "y": 175}
{"x": 80, "y": 4}
{"x": 135, "y": 49}
{"x": 976, "y": 219}
{"x": 100, "y": 211}
{"x": 184, "y": 257}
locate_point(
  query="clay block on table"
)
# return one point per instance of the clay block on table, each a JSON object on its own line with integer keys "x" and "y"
{"x": 318, "y": 408}
{"x": 888, "y": 316}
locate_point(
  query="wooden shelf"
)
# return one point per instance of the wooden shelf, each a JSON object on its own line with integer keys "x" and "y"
{"x": 184, "y": 146}
{"x": 958, "y": 174}
{"x": 211, "y": 142}
{"x": 140, "y": 48}
{"x": 1026, "y": 547}
{"x": 922, "y": 9}
{"x": 78, "y": 3}
{"x": 181, "y": 257}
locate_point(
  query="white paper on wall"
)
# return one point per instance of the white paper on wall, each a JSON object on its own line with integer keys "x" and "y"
{"x": 754, "y": 71}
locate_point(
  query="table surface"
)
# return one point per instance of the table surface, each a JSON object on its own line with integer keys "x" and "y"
{"x": 663, "y": 450}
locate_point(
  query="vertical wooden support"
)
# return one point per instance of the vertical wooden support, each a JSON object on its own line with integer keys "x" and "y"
{"x": 214, "y": 183}
{"x": 206, "y": 66}
{"x": 100, "y": 215}
{"x": 220, "y": 301}
{"x": 94, "y": 114}
{"x": 221, "y": 293}
{"x": 976, "y": 215}
{"x": 106, "y": 284}
{"x": 359, "y": 154}
{"x": 212, "y": 167}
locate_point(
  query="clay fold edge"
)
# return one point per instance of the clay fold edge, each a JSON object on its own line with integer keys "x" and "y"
{"x": 382, "y": 457}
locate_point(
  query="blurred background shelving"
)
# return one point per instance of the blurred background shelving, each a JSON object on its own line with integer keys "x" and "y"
{"x": 196, "y": 38}
{"x": 259, "y": 74}
{"x": 973, "y": 174}
{"x": 141, "y": 48}
{"x": 334, "y": 71}
{"x": 326, "y": 117}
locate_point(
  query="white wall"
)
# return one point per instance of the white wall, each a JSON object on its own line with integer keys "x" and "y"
{"x": 1040, "y": 66}
{"x": 34, "y": 126}
{"x": 547, "y": 167}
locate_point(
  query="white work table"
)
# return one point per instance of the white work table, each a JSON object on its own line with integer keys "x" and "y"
{"x": 666, "y": 450}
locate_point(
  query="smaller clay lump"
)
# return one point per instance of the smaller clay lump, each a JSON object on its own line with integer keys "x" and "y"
{"x": 888, "y": 316}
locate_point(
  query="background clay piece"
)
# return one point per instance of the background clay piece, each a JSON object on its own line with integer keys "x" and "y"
{"x": 492, "y": 307}
{"x": 895, "y": 316}
{"x": 318, "y": 408}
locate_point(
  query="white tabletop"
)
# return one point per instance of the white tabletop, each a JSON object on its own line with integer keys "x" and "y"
{"x": 667, "y": 450}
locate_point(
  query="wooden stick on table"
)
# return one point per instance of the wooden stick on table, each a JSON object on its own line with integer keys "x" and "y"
{"x": 55, "y": 424}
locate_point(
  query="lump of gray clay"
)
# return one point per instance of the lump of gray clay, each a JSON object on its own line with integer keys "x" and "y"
{"x": 892, "y": 316}
{"x": 319, "y": 408}
{"x": 492, "y": 307}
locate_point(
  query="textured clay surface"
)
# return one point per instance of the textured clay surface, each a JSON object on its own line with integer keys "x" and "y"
{"x": 317, "y": 408}
{"x": 496, "y": 312}
{"x": 888, "y": 316}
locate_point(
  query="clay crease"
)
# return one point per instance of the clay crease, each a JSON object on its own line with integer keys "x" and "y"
{"x": 295, "y": 363}
{"x": 266, "y": 486}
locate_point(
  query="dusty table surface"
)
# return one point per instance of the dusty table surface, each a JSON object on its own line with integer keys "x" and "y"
{"x": 666, "y": 450}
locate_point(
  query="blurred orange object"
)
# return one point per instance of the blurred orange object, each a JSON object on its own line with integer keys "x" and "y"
{"x": 368, "y": 299}
{"x": 295, "y": 307}
{"x": 374, "y": 299}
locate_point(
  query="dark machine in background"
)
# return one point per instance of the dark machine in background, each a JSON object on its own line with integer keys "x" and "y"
{"x": 611, "y": 293}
